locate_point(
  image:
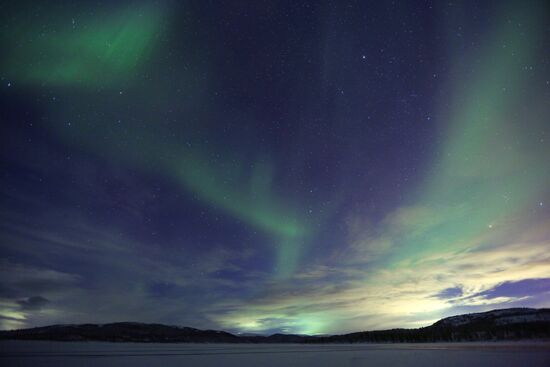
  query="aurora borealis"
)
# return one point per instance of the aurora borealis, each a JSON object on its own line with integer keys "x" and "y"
{"x": 277, "y": 166}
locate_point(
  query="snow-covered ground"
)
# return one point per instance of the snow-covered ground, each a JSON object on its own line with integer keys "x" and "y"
{"x": 29, "y": 353}
{"x": 500, "y": 317}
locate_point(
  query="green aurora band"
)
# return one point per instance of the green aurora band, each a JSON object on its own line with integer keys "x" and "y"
{"x": 92, "y": 51}
{"x": 107, "y": 51}
{"x": 229, "y": 185}
{"x": 488, "y": 173}
{"x": 487, "y": 142}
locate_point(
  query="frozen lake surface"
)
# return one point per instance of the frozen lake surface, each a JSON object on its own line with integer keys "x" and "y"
{"x": 39, "y": 353}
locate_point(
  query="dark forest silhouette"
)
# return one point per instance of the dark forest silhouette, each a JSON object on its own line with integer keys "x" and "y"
{"x": 508, "y": 324}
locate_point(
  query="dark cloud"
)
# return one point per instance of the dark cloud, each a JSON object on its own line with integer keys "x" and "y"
{"x": 522, "y": 288}
{"x": 33, "y": 303}
{"x": 7, "y": 292}
{"x": 449, "y": 293}
{"x": 165, "y": 290}
{"x": 20, "y": 280}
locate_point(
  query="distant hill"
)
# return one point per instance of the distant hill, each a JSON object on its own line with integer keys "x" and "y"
{"x": 507, "y": 324}
{"x": 122, "y": 332}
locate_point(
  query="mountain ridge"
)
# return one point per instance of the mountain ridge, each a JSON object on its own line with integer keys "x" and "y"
{"x": 500, "y": 324}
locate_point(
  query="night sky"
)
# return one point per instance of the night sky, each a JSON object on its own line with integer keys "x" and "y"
{"x": 273, "y": 166}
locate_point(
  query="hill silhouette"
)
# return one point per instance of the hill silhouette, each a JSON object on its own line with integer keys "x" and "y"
{"x": 505, "y": 324}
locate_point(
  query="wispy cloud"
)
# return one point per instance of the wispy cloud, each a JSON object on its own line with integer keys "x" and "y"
{"x": 409, "y": 293}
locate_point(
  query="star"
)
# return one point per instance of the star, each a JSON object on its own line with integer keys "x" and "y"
{"x": 278, "y": 168}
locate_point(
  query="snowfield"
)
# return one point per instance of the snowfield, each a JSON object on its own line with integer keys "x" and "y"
{"x": 42, "y": 353}
{"x": 500, "y": 317}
